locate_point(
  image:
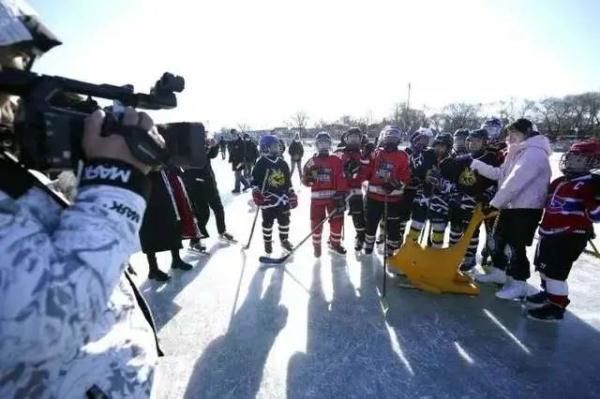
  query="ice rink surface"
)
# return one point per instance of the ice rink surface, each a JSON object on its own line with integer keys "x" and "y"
{"x": 315, "y": 329}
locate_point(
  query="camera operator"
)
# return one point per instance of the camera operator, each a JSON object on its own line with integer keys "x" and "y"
{"x": 69, "y": 327}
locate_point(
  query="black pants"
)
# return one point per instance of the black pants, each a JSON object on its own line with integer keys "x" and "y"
{"x": 356, "y": 209}
{"x": 214, "y": 202}
{"x": 375, "y": 213}
{"x": 555, "y": 255}
{"x": 517, "y": 228}
{"x": 282, "y": 215}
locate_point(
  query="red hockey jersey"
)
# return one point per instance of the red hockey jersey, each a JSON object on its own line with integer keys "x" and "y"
{"x": 572, "y": 207}
{"x": 355, "y": 181}
{"x": 324, "y": 175}
{"x": 387, "y": 166}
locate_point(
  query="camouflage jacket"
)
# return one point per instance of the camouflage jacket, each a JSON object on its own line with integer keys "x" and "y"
{"x": 68, "y": 320}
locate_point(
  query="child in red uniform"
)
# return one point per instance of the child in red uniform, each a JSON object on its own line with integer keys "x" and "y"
{"x": 355, "y": 164}
{"x": 573, "y": 205}
{"x": 388, "y": 172}
{"x": 324, "y": 175}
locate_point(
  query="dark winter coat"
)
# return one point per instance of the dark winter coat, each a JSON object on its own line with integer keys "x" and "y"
{"x": 296, "y": 150}
{"x": 160, "y": 229}
{"x": 250, "y": 151}
{"x": 236, "y": 153}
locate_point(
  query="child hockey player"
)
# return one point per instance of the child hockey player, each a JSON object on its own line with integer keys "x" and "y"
{"x": 354, "y": 166}
{"x": 324, "y": 175}
{"x": 460, "y": 142}
{"x": 573, "y": 205}
{"x": 442, "y": 188}
{"x": 272, "y": 191}
{"x": 388, "y": 172}
{"x": 415, "y": 201}
{"x": 471, "y": 189}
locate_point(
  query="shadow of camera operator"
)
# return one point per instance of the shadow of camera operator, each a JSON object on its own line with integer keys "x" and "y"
{"x": 349, "y": 353}
{"x": 232, "y": 365}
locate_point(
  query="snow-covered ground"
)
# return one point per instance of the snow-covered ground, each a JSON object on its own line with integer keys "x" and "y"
{"x": 315, "y": 329}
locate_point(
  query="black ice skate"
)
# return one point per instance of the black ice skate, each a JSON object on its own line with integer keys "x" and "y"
{"x": 537, "y": 300}
{"x": 226, "y": 237}
{"x": 285, "y": 244}
{"x": 359, "y": 243}
{"x": 549, "y": 312}
{"x": 268, "y": 247}
{"x": 337, "y": 249}
{"x": 317, "y": 251}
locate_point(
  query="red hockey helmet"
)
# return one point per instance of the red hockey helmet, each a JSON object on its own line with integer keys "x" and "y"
{"x": 581, "y": 157}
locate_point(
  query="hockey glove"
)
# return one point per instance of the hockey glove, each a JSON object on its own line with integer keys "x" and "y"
{"x": 392, "y": 184}
{"x": 351, "y": 168}
{"x": 293, "y": 199}
{"x": 258, "y": 197}
{"x": 339, "y": 200}
{"x": 490, "y": 211}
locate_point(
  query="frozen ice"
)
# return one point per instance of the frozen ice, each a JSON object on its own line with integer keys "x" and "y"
{"x": 315, "y": 329}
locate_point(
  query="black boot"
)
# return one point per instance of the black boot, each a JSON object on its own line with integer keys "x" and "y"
{"x": 177, "y": 262}
{"x": 155, "y": 273}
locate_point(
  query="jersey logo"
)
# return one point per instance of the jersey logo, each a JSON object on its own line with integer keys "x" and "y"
{"x": 276, "y": 178}
{"x": 384, "y": 171}
{"x": 467, "y": 177}
{"x": 324, "y": 175}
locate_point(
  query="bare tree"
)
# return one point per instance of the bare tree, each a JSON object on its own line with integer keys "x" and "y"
{"x": 244, "y": 127}
{"x": 299, "y": 121}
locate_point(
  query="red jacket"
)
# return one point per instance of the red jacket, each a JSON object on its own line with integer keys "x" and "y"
{"x": 355, "y": 182}
{"x": 572, "y": 207}
{"x": 325, "y": 177}
{"x": 387, "y": 166}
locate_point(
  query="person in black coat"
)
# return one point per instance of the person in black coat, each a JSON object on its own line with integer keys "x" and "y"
{"x": 250, "y": 155}
{"x": 223, "y": 146}
{"x": 201, "y": 186}
{"x": 161, "y": 227}
{"x": 236, "y": 158}
{"x": 296, "y": 151}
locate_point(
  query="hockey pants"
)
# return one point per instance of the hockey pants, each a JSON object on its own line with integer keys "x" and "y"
{"x": 375, "y": 213}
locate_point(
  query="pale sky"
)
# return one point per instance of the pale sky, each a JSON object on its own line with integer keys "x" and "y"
{"x": 259, "y": 61}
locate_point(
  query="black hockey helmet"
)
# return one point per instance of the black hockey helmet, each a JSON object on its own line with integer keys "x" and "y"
{"x": 461, "y": 133}
{"x": 444, "y": 139}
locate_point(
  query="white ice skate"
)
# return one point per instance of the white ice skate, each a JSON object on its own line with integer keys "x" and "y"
{"x": 496, "y": 276}
{"x": 513, "y": 289}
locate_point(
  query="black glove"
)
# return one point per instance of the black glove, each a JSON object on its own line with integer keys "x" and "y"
{"x": 489, "y": 211}
{"x": 392, "y": 184}
{"x": 351, "y": 168}
{"x": 340, "y": 201}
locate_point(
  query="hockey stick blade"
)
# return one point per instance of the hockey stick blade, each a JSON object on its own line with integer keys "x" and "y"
{"x": 273, "y": 261}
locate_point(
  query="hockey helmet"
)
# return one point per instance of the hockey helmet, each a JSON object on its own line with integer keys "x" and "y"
{"x": 460, "y": 138}
{"x": 477, "y": 140}
{"x": 390, "y": 137}
{"x": 353, "y": 137}
{"x": 581, "y": 157}
{"x": 269, "y": 145}
{"x": 494, "y": 128}
{"x": 323, "y": 142}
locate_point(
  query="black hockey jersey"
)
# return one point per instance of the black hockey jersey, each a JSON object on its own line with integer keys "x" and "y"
{"x": 278, "y": 181}
{"x": 420, "y": 163}
{"x": 467, "y": 181}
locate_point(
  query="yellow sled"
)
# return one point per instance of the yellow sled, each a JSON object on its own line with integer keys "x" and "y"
{"x": 436, "y": 269}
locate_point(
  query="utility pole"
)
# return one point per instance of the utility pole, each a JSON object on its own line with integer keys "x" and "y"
{"x": 408, "y": 99}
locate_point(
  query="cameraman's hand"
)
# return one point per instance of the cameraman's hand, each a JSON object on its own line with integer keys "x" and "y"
{"x": 114, "y": 146}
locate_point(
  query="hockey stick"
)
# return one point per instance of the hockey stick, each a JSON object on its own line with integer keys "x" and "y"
{"x": 385, "y": 306}
{"x": 595, "y": 251}
{"x": 262, "y": 190}
{"x": 267, "y": 260}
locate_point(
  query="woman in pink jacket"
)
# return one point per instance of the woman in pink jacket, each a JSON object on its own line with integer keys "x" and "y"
{"x": 523, "y": 181}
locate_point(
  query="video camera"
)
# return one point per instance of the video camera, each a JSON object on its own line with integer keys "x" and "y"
{"x": 48, "y": 127}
